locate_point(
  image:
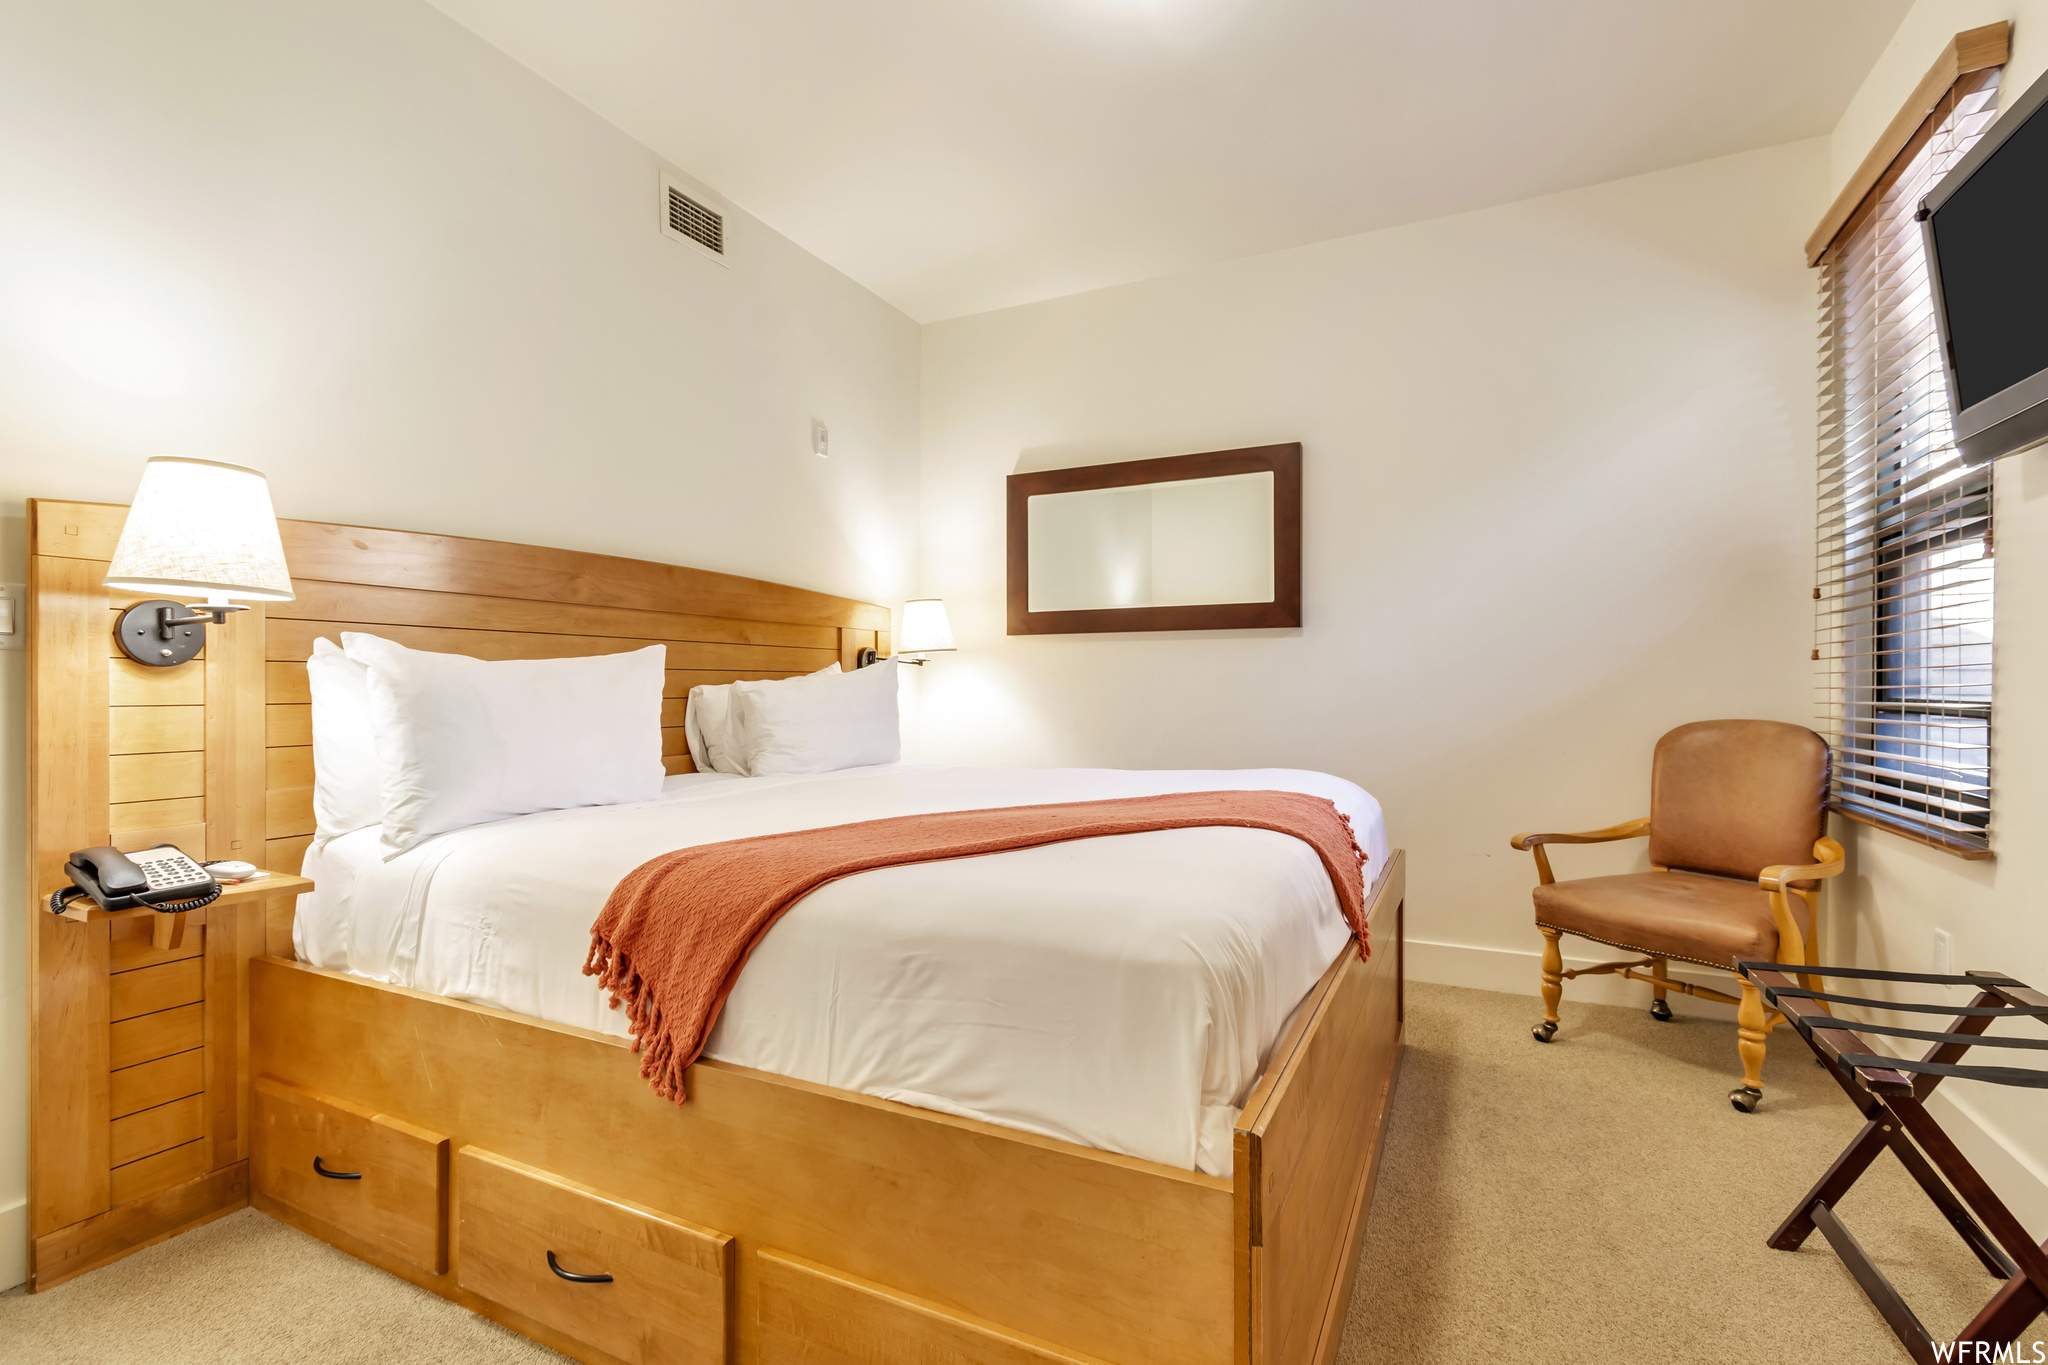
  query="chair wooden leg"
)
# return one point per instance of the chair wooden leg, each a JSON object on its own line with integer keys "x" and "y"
{"x": 1752, "y": 1030}
{"x": 1660, "y": 1008}
{"x": 1553, "y": 983}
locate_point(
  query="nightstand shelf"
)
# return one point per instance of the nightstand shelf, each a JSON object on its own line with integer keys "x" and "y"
{"x": 277, "y": 883}
{"x": 168, "y": 931}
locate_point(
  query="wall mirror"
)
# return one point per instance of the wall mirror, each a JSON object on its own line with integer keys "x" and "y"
{"x": 1188, "y": 542}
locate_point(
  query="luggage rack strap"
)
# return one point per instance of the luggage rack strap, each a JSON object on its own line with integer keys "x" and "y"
{"x": 1925, "y": 1035}
{"x": 1997, "y": 1075}
{"x": 1978, "y": 979}
{"x": 1909, "y": 1006}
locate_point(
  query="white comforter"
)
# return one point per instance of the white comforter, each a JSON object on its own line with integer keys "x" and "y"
{"x": 1119, "y": 992}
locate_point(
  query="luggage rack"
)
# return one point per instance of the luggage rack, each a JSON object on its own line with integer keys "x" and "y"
{"x": 1891, "y": 1092}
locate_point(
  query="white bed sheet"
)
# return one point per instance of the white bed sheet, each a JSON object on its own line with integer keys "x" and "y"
{"x": 1118, "y": 992}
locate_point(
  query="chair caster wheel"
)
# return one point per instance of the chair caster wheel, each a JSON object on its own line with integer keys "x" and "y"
{"x": 1544, "y": 1031}
{"x": 1660, "y": 1011}
{"x": 1745, "y": 1098}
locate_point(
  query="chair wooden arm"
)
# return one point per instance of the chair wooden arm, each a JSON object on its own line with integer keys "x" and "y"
{"x": 1631, "y": 829}
{"x": 1830, "y": 865}
{"x": 1793, "y": 945}
{"x": 1533, "y": 843}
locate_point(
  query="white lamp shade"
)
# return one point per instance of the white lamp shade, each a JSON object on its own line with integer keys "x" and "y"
{"x": 201, "y": 529}
{"x": 925, "y": 627}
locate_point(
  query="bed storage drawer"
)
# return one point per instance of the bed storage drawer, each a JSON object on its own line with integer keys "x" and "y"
{"x": 667, "y": 1300}
{"x": 371, "y": 1175}
{"x": 812, "y": 1314}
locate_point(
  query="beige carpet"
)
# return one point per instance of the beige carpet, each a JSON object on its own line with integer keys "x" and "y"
{"x": 1593, "y": 1201}
{"x": 1598, "y": 1200}
{"x": 246, "y": 1290}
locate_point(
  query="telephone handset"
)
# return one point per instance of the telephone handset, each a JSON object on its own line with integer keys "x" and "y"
{"x": 161, "y": 878}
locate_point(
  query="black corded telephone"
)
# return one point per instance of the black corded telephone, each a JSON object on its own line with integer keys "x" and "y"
{"x": 165, "y": 880}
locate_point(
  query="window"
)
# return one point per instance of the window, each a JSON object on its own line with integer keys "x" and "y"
{"x": 1903, "y": 593}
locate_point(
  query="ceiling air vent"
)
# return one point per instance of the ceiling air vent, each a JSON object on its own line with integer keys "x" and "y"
{"x": 689, "y": 219}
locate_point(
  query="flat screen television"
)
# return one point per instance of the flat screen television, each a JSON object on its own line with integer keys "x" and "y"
{"x": 1986, "y": 230}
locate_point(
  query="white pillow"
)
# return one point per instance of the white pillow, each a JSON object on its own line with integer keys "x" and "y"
{"x": 708, "y": 726}
{"x": 705, "y": 718}
{"x": 345, "y": 794}
{"x": 818, "y": 724}
{"x": 463, "y": 741}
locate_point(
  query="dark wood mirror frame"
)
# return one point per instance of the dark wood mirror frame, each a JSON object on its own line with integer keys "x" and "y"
{"x": 1282, "y": 461}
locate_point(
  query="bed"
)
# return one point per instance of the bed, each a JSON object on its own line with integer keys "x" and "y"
{"x": 1121, "y": 993}
{"x": 1172, "y": 1163}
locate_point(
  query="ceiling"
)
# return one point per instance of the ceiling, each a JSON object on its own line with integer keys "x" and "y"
{"x": 960, "y": 155}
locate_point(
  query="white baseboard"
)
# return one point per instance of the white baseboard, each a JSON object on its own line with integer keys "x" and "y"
{"x": 2019, "y": 1180}
{"x": 1519, "y": 972}
{"x": 14, "y": 1244}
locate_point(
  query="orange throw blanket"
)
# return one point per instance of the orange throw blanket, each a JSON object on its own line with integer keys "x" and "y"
{"x": 675, "y": 933}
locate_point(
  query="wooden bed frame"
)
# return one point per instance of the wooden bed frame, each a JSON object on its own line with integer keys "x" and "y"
{"x": 770, "y": 1220}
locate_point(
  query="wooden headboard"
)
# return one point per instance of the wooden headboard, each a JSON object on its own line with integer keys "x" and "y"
{"x": 216, "y": 754}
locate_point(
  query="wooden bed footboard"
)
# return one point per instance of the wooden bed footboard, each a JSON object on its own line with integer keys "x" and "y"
{"x": 826, "y": 1226}
{"x": 1308, "y": 1149}
{"x": 1049, "y": 1240}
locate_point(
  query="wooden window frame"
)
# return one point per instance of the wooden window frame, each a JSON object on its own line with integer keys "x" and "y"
{"x": 1972, "y": 50}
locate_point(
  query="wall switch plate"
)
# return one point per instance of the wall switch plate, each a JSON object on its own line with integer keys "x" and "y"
{"x": 13, "y": 616}
{"x": 1944, "y": 953}
{"x": 821, "y": 440}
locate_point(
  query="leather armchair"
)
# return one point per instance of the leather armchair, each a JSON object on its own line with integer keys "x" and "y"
{"x": 1738, "y": 848}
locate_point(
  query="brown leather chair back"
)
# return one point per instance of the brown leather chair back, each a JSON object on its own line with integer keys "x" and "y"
{"x": 1737, "y": 796}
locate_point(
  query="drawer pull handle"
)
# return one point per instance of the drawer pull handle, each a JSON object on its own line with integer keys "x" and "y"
{"x": 318, "y": 1169}
{"x": 573, "y": 1277}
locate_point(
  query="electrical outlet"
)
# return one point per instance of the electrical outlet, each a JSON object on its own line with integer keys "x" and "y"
{"x": 13, "y": 616}
{"x": 1944, "y": 953}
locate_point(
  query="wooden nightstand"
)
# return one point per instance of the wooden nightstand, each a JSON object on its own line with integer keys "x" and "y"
{"x": 157, "y": 1081}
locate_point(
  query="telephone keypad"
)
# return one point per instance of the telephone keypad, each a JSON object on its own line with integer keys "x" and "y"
{"x": 163, "y": 873}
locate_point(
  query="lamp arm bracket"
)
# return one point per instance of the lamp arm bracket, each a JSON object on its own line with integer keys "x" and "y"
{"x": 163, "y": 634}
{"x": 204, "y": 613}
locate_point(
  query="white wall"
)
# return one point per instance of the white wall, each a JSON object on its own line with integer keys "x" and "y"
{"x": 1897, "y": 893}
{"x": 1920, "y": 38}
{"x": 358, "y": 248}
{"x": 1559, "y": 491}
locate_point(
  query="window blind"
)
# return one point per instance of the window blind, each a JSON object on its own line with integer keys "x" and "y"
{"x": 1903, "y": 593}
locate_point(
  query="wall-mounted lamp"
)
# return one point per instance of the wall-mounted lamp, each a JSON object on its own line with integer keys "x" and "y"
{"x": 926, "y": 630}
{"x": 199, "y": 529}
